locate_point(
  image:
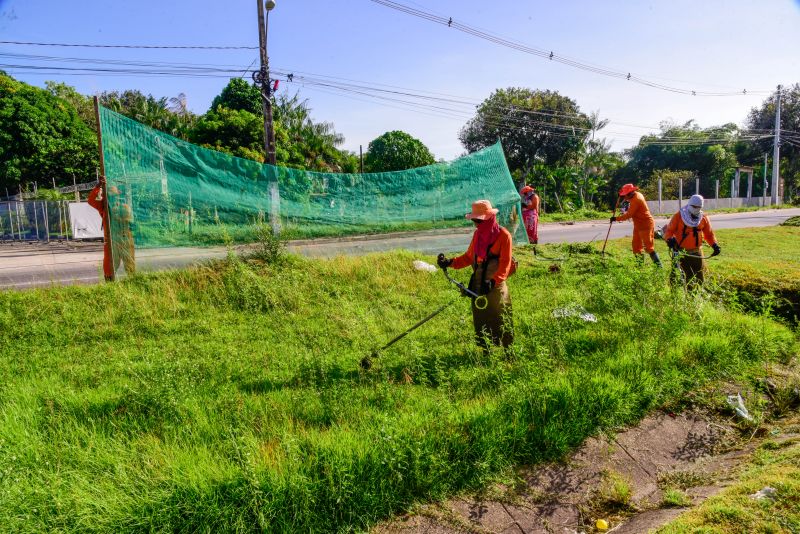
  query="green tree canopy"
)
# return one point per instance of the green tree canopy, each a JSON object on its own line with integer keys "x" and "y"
{"x": 763, "y": 118}
{"x": 169, "y": 115}
{"x": 310, "y": 145}
{"x": 396, "y": 151}
{"x": 41, "y": 138}
{"x": 240, "y": 96}
{"x": 708, "y": 154}
{"x": 300, "y": 142}
{"x": 236, "y": 132}
{"x": 536, "y": 127}
{"x": 83, "y": 104}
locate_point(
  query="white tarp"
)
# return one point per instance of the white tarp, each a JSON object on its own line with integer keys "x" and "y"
{"x": 86, "y": 222}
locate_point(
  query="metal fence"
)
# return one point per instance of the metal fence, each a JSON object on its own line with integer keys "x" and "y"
{"x": 34, "y": 220}
{"x": 744, "y": 191}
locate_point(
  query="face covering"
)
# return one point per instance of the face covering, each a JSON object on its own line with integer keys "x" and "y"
{"x": 691, "y": 215}
{"x": 486, "y": 234}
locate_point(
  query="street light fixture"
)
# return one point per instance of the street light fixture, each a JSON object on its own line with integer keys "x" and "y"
{"x": 261, "y": 77}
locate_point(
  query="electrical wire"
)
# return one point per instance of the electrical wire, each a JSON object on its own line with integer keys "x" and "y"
{"x": 438, "y": 104}
{"x": 197, "y": 70}
{"x": 550, "y": 55}
{"x": 515, "y": 126}
{"x": 143, "y": 47}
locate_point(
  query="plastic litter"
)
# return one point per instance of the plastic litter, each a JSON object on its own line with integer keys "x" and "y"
{"x": 420, "y": 265}
{"x": 573, "y": 310}
{"x": 737, "y": 403}
{"x": 765, "y": 493}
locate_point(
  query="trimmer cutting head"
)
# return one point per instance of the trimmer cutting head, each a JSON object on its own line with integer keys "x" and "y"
{"x": 366, "y": 361}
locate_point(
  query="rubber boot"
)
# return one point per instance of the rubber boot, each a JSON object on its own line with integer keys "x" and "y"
{"x": 655, "y": 258}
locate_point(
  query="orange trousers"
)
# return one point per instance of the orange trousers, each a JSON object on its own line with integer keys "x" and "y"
{"x": 643, "y": 238}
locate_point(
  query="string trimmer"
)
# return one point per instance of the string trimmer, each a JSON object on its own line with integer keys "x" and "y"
{"x": 677, "y": 254}
{"x": 480, "y": 302}
{"x": 613, "y": 214}
{"x": 713, "y": 254}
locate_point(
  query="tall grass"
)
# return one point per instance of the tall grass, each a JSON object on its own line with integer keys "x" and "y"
{"x": 229, "y": 397}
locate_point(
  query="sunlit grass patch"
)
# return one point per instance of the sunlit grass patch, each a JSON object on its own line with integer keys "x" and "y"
{"x": 229, "y": 397}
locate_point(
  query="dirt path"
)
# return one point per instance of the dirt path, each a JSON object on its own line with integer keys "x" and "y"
{"x": 620, "y": 479}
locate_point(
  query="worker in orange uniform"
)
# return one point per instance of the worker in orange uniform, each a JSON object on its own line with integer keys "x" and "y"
{"x": 643, "y": 223}
{"x": 489, "y": 254}
{"x": 121, "y": 248}
{"x": 530, "y": 213}
{"x": 685, "y": 234}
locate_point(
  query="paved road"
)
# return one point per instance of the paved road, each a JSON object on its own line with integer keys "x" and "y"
{"x": 36, "y": 265}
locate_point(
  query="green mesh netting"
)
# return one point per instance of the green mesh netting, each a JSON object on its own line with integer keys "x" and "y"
{"x": 164, "y": 192}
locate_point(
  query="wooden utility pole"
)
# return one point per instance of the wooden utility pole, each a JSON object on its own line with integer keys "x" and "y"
{"x": 261, "y": 77}
{"x": 776, "y": 151}
{"x": 107, "y": 219}
{"x": 361, "y": 159}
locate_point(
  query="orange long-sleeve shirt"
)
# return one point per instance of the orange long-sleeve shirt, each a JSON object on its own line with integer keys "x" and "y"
{"x": 638, "y": 211}
{"x": 97, "y": 203}
{"x": 501, "y": 248}
{"x": 686, "y": 236}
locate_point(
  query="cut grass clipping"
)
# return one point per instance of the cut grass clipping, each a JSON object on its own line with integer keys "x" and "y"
{"x": 229, "y": 397}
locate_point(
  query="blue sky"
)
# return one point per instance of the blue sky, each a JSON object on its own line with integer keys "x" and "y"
{"x": 708, "y": 45}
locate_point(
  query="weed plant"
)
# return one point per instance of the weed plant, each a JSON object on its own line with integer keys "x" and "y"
{"x": 228, "y": 398}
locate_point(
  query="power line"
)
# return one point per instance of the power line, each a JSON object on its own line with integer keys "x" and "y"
{"x": 504, "y": 125}
{"x": 550, "y": 55}
{"x": 510, "y": 124}
{"x": 573, "y": 127}
{"x": 198, "y": 70}
{"x": 145, "y": 47}
{"x": 436, "y": 104}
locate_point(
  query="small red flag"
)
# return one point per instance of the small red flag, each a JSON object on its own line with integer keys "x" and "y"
{"x": 275, "y": 85}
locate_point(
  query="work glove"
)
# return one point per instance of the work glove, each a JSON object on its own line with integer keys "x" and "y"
{"x": 672, "y": 243}
{"x": 443, "y": 262}
{"x": 716, "y": 248}
{"x": 487, "y": 287}
{"x": 613, "y": 219}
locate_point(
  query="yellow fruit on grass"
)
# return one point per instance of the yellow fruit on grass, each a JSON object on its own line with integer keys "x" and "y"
{"x": 601, "y": 524}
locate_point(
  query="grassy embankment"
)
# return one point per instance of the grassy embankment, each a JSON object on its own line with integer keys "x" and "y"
{"x": 758, "y": 270}
{"x": 229, "y": 398}
{"x": 774, "y": 465}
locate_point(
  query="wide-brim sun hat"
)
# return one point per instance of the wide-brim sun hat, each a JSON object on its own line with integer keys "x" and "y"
{"x": 481, "y": 209}
{"x": 626, "y": 189}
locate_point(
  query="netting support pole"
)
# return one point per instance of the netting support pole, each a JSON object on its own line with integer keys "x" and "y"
{"x": 107, "y": 221}
{"x": 275, "y": 208}
{"x": 36, "y": 220}
{"x": 46, "y": 220}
